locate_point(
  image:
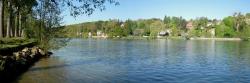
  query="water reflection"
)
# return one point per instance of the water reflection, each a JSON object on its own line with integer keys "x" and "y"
{"x": 147, "y": 61}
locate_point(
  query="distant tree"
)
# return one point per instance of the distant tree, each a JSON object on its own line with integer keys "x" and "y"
{"x": 229, "y": 21}
{"x": 245, "y": 34}
{"x": 156, "y": 27}
{"x": 223, "y": 30}
{"x": 167, "y": 21}
{"x": 239, "y": 21}
{"x": 129, "y": 25}
{"x": 201, "y": 22}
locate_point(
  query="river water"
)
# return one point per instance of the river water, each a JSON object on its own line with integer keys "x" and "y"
{"x": 144, "y": 61}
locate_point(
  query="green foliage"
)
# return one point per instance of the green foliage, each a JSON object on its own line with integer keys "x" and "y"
{"x": 245, "y": 34}
{"x": 195, "y": 33}
{"x": 156, "y": 27}
{"x": 201, "y": 22}
{"x": 86, "y": 6}
{"x": 177, "y": 26}
{"x": 175, "y": 31}
{"x": 224, "y": 31}
{"x": 129, "y": 26}
{"x": 229, "y": 21}
{"x": 117, "y": 31}
{"x": 13, "y": 41}
{"x": 146, "y": 31}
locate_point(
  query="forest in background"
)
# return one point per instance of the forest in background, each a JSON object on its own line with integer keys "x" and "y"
{"x": 235, "y": 26}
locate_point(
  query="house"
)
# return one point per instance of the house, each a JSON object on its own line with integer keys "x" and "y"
{"x": 212, "y": 32}
{"x": 90, "y": 34}
{"x": 248, "y": 21}
{"x": 209, "y": 24}
{"x": 99, "y": 33}
{"x": 189, "y": 25}
{"x": 165, "y": 33}
{"x": 78, "y": 33}
{"x": 122, "y": 25}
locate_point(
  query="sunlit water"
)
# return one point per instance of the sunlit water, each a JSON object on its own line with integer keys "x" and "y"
{"x": 144, "y": 61}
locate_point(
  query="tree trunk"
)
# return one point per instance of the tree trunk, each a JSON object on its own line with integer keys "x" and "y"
{"x": 22, "y": 31}
{"x": 20, "y": 25}
{"x": 9, "y": 20}
{"x": 13, "y": 27}
{"x": 1, "y": 18}
{"x": 17, "y": 24}
{"x": 237, "y": 27}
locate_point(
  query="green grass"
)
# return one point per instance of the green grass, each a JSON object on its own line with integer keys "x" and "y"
{"x": 13, "y": 42}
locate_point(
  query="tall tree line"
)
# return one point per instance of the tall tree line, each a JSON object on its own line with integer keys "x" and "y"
{"x": 12, "y": 14}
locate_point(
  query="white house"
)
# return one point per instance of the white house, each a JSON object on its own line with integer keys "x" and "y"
{"x": 165, "y": 33}
{"x": 90, "y": 34}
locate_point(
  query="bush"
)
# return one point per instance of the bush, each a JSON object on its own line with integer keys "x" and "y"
{"x": 245, "y": 34}
{"x": 194, "y": 33}
{"x": 224, "y": 31}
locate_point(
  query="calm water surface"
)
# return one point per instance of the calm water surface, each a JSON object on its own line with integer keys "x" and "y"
{"x": 144, "y": 61}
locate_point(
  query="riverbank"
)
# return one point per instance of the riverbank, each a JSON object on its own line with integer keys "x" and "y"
{"x": 220, "y": 39}
{"x": 181, "y": 38}
{"x": 17, "y": 55}
{"x": 12, "y": 66}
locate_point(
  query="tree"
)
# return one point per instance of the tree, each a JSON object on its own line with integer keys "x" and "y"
{"x": 167, "y": 21}
{"x": 224, "y": 31}
{"x": 229, "y": 21}
{"x": 239, "y": 21}
{"x": 129, "y": 26}
{"x": 86, "y": 6}
{"x": 9, "y": 19}
{"x": 245, "y": 34}
{"x": 156, "y": 27}
{"x": 201, "y": 23}
{"x": 1, "y": 17}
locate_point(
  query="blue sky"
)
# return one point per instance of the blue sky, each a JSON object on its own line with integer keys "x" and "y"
{"x": 143, "y": 9}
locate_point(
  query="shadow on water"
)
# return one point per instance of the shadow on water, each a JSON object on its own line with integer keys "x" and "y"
{"x": 8, "y": 76}
{"x": 75, "y": 63}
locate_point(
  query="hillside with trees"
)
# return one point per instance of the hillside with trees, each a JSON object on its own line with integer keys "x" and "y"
{"x": 235, "y": 26}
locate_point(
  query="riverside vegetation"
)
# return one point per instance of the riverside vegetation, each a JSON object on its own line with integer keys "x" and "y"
{"x": 235, "y": 26}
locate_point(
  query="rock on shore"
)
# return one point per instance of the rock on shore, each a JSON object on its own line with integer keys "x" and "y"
{"x": 19, "y": 61}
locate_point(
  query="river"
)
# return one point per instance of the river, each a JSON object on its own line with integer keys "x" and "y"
{"x": 144, "y": 61}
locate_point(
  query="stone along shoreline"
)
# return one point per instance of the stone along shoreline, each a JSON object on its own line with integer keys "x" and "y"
{"x": 13, "y": 65}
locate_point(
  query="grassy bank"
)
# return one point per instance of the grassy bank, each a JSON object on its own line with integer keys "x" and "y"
{"x": 10, "y": 45}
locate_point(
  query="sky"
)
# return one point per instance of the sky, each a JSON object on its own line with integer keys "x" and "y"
{"x": 145, "y": 9}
